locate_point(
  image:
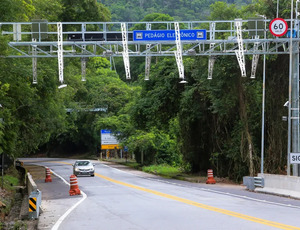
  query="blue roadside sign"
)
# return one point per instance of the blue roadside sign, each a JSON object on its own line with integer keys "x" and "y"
{"x": 168, "y": 35}
{"x": 125, "y": 148}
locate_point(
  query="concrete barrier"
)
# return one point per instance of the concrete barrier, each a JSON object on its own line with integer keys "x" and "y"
{"x": 31, "y": 185}
{"x": 280, "y": 185}
{"x": 34, "y": 198}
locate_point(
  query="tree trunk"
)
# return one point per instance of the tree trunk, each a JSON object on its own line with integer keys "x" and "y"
{"x": 244, "y": 119}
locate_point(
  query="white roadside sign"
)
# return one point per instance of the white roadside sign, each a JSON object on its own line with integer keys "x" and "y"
{"x": 108, "y": 140}
{"x": 295, "y": 158}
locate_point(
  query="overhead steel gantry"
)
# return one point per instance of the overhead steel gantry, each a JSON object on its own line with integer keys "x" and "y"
{"x": 115, "y": 39}
{"x": 102, "y": 39}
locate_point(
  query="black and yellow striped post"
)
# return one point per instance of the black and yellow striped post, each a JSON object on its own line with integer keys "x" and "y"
{"x": 32, "y": 204}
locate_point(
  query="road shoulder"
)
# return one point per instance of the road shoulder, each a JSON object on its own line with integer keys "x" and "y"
{"x": 56, "y": 200}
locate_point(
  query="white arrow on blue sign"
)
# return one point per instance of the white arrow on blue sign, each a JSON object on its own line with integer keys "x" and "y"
{"x": 168, "y": 35}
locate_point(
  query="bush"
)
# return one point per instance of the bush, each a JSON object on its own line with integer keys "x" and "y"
{"x": 157, "y": 148}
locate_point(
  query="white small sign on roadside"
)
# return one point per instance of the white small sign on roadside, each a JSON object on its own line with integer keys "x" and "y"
{"x": 108, "y": 140}
{"x": 295, "y": 158}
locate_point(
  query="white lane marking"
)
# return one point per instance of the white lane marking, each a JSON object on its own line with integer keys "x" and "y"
{"x": 253, "y": 199}
{"x": 208, "y": 190}
{"x": 61, "y": 219}
{"x": 228, "y": 194}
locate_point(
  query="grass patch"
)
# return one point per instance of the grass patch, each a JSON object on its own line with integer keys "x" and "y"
{"x": 10, "y": 179}
{"x": 163, "y": 170}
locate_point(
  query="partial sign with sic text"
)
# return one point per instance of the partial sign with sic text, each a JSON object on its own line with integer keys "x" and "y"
{"x": 295, "y": 158}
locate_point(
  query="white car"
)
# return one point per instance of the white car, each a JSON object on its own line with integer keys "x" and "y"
{"x": 83, "y": 167}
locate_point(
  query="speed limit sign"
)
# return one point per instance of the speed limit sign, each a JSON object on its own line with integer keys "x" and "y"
{"x": 278, "y": 27}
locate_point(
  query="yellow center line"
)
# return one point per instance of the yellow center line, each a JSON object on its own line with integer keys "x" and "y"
{"x": 193, "y": 203}
{"x": 207, "y": 207}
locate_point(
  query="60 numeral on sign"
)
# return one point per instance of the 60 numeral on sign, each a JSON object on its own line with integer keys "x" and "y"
{"x": 278, "y": 27}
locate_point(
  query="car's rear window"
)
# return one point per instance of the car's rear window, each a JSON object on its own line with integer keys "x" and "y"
{"x": 82, "y": 163}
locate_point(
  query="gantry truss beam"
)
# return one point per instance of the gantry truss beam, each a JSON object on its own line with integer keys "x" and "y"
{"x": 240, "y": 52}
{"x": 178, "y": 51}
{"x": 60, "y": 49}
{"x": 98, "y": 39}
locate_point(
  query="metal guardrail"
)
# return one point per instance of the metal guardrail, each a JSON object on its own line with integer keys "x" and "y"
{"x": 259, "y": 182}
{"x": 252, "y": 182}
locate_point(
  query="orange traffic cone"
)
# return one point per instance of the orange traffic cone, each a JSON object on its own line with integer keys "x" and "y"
{"x": 210, "y": 177}
{"x": 74, "y": 190}
{"x": 48, "y": 175}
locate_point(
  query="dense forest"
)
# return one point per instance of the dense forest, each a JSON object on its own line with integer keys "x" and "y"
{"x": 199, "y": 125}
{"x": 180, "y": 10}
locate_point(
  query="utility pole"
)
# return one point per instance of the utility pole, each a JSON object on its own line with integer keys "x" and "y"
{"x": 293, "y": 131}
{"x": 294, "y": 105}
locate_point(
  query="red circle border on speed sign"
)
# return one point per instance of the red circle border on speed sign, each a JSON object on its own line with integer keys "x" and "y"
{"x": 274, "y": 21}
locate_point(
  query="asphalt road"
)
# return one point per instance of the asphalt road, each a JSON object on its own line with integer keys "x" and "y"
{"x": 122, "y": 198}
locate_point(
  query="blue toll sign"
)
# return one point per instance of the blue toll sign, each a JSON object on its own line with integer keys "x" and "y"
{"x": 168, "y": 35}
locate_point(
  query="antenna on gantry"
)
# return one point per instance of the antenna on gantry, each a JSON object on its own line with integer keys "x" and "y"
{"x": 60, "y": 55}
{"x": 255, "y": 58}
{"x": 83, "y": 64}
{"x": 211, "y": 59}
{"x": 178, "y": 53}
{"x": 34, "y": 63}
{"x": 83, "y": 69}
{"x": 148, "y": 57}
{"x": 125, "y": 50}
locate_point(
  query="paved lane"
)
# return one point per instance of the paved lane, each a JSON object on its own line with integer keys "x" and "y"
{"x": 122, "y": 200}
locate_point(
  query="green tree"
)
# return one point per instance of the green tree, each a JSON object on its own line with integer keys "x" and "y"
{"x": 84, "y": 11}
{"x": 269, "y": 8}
{"x": 102, "y": 90}
{"x": 16, "y": 10}
{"x": 153, "y": 147}
{"x": 48, "y": 9}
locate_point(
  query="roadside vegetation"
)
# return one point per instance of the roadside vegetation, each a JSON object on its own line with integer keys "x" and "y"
{"x": 163, "y": 170}
{"x": 10, "y": 200}
{"x": 168, "y": 127}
